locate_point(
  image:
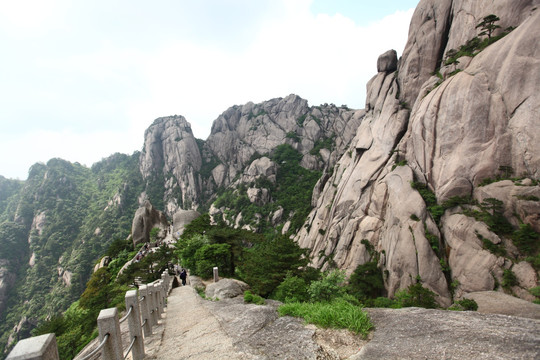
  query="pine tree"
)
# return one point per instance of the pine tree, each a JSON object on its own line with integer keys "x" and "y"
{"x": 487, "y": 25}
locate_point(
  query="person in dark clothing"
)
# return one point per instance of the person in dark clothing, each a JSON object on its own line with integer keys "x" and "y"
{"x": 183, "y": 276}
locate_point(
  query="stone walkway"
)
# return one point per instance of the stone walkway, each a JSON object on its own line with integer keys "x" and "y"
{"x": 189, "y": 331}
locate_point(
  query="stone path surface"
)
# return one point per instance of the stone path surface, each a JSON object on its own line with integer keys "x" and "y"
{"x": 197, "y": 329}
{"x": 190, "y": 331}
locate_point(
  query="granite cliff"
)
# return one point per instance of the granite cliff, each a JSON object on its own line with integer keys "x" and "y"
{"x": 439, "y": 174}
{"x": 441, "y": 127}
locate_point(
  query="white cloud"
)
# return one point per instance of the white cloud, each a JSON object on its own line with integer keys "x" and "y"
{"x": 321, "y": 58}
{"x": 41, "y": 146}
{"x": 104, "y": 95}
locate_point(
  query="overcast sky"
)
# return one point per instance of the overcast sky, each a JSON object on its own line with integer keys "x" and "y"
{"x": 81, "y": 80}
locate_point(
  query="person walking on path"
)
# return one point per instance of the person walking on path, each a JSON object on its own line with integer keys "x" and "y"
{"x": 183, "y": 276}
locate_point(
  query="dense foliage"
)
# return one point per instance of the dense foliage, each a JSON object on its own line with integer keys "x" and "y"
{"x": 267, "y": 263}
{"x": 77, "y": 212}
{"x": 292, "y": 192}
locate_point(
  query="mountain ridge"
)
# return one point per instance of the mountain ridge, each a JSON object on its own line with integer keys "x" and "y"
{"x": 438, "y": 175}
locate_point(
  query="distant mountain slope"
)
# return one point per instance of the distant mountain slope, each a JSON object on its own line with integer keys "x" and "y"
{"x": 54, "y": 228}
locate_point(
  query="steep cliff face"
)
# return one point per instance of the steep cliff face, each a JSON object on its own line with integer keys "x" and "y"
{"x": 170, "y": 164}
{"x": 242, "y": 131}
{"x": 275, "y": 148}
{"x": 475, "y": 118}
{"x": 190, "y": 170}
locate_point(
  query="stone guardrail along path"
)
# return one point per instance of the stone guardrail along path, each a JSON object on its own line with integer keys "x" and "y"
{"x": 144, "y": 310}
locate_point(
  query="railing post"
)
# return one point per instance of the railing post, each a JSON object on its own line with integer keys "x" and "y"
{"x": 145, "y": 313}
{"x": 216, "y": 276}
{"x": 134, "y": 322}
{"x": 165, "y": 279}
{"x": 159, "y": 285}
{"x": 163, "y": 295}
{"x": 108, "y": 324}
{"x": 41, "y": 347}
{"x": 153, "y": 304}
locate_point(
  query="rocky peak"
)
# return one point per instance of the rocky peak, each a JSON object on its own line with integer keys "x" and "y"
{"x": 191, "y": 170}
{"x": 448, "y": 126}
{"x": 171, "y": 159}
{"x": 243, "y": 131}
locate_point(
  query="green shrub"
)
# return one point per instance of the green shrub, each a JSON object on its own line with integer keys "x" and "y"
{"x": 200, "y": 290}
{"x": 399, "y": 163}
{"x": 188, "y": 248}
{"x": 251, "y": 298}
{"x": 495, "y": 249}
{"x": 433, "y": 208}
{"x": 535, "y": 291}
{"x": 416, "y": 296}
{"x": 366, "y": 282}
{"x": 328, "y": 288}
{"x": 534, "y": 261}
{"x": 292, "y": 289}
{"x": 117, "y": 246}
{"x": 528, "y": 197}
{"x": 293, "y": 135}
{"x": 300, "y": 120}
{"x": 384, "y": 302}
{"x": 210, "y": 255}
{"x": 509, "y": 279}
{"x": 337, "y": 314}
{"x": 265, "y": 265}
{"x": 154, "y": 233}
{"x": 526, "y": 239}
{"x": 464, "y": 305}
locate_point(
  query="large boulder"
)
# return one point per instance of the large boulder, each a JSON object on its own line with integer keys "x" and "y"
{"x": 146, "y": 218}
{"x": 226, "y": 288}
{"x": 387, "y": 62}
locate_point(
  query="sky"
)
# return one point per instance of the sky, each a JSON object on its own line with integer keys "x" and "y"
{"x": 81, "y": 80}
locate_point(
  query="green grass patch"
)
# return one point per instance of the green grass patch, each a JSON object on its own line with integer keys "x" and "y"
{"x": 338, "y": 314}
{"x": 251, "y": 298}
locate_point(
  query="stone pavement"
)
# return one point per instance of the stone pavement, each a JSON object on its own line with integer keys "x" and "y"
{"x": 189, "y": 331}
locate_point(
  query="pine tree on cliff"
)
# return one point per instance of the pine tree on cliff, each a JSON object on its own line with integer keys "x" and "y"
{"x": 487, "y": 25}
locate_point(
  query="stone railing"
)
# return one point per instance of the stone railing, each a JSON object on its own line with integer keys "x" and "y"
{"x": 143, "y": 311}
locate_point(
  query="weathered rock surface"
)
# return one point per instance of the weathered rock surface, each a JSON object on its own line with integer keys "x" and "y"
{"x": 448, "y": 133}
{"x": 463, "y": 116}
{"x": 226, "y": 288}
{"x": 181, "y": 218}
{"x": 146, "y": 218}
{"x": 171, "y": 158}
{"x": 194, "y": 328}
{"x": 387, "y": 62}
{"x": 414, "y": 333}
{"x": 192, "y": 170}
{"x": 494, "y": 302}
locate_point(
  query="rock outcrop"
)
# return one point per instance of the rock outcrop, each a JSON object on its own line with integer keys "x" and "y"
{"x": 170, "y": 164}
{"x": 182, "y": 218}
{"x": 184, "y": 173}
{"x": 448, "y": 131}
{"x": 414, "y": 333}
{"x": 146, "y": 218}
{"x": 226, "y": 288}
